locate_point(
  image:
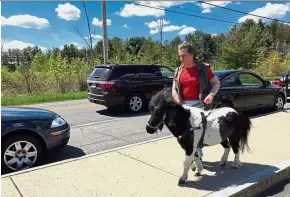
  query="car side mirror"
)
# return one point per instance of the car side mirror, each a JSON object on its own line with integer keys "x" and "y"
{"x": 267, "y": 83}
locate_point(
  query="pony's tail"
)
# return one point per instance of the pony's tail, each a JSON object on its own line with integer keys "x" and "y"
{"x": 244, "y": 125}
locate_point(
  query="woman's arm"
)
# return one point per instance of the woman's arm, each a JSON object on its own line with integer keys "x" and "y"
{"x": 215, "y": 85}
{"x": 175, "y": 93}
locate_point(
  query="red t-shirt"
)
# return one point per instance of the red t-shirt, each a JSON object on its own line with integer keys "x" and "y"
{"x": 189, "y": 83}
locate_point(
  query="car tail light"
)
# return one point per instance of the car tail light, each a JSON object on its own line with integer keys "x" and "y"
{"x": 279, "y": 83}
{"x": 106, "y": 85}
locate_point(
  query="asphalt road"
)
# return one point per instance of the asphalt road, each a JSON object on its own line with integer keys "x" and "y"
{"x": 280, "y": 190}
{"x": 94, "y": 128}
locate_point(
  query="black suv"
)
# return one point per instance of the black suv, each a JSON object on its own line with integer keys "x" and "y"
{"x": 128, "y": 85}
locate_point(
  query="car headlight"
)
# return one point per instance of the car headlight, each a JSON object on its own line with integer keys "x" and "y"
{"x": 58, "y": 122}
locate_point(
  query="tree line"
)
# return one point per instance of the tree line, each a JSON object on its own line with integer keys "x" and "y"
{"x": 257, "y": 46}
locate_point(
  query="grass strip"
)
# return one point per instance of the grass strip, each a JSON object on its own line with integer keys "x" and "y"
{"x": 41, "y": 98}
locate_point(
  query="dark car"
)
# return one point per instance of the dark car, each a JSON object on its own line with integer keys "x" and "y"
{"x": 27, "y": 134}
{"x": 128, "y": 85}
{"x": 247, "y": 91}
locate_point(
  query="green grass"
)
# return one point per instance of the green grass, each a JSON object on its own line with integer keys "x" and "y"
{"x": 41, "y": 98}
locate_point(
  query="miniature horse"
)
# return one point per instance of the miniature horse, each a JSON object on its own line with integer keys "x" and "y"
{"x": 191, "y": 126}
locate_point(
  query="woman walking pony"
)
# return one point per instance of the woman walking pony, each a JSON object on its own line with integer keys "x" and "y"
{"x": 194, "y": 83}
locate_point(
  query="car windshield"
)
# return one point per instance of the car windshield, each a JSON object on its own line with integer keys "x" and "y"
{"x": 100, "y": 73}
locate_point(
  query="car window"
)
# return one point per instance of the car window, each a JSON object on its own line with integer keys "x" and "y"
{"x": 150, "y": 71}
{"x": 100, "y": 73}
{"x": 249, "y": 80}
{"x": 166, "y": 72}
{"x": 232, "y": 80}
{"x": 121, "y": 72}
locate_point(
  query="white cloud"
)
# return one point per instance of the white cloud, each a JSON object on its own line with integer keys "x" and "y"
{"x": 138, "y": 10}
{"x": 154, "y": 24}
{"x": 95, "y": 36}
{"x": 154, "y": 29}
{"x": 25, "y": 21}
{"x": 68, "y": 12}
{"x": 269, "y": 10}
{"x": 207, "y": 8}
{"x": 162, "y": 4}
{"x": 17, "y": 44}
{"x": 173, "y": 28}
{"x": 99, "y": 23}
{"x": 187, "y": 30}
{"x": 125, "y": 26}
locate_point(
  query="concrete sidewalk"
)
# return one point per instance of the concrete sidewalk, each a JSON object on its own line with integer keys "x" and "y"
{"x": 153, "y": 168}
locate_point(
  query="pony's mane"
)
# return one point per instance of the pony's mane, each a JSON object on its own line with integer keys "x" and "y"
{"x": 162, "y": 96}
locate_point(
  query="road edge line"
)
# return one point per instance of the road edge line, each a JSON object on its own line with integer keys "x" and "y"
{"x": 258, "y": 182}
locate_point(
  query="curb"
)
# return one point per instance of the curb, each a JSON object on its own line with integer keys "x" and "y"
{"x": 258, "y": 182}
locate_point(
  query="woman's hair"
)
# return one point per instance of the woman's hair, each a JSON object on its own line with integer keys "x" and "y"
{"x": 189, "y": 48}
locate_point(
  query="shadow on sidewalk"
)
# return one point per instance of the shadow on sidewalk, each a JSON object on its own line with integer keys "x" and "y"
{"x": 67, "y": 152}
{"x": 225, "y": 177}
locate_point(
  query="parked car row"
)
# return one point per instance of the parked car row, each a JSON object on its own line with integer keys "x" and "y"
{"x": 131, "y": 86}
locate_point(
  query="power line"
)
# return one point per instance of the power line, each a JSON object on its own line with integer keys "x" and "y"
{"x": 243, "y": 12}
{"x": 176, "y": 12}
{"x": 185, "y": 9}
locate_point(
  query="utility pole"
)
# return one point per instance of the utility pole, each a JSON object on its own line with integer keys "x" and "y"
{"x": 160, "y": 26}
{"x": 105, "y": 36}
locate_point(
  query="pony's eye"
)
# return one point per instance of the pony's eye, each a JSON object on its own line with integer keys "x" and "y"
{"x": 151, "y": 108}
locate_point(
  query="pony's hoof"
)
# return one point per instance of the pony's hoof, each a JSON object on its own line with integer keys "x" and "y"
{"x": 223, "y": 164}
{"x": 235, "y": 166}
{"x": 193, "y": 168}
{"x": 181, "y": 182}
{"x": 197, "y": 174}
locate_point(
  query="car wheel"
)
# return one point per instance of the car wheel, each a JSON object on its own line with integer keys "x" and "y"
{"x": 279, "y": 103}
{"x": 21, "y": 152}
{"x": 135, "y": 102}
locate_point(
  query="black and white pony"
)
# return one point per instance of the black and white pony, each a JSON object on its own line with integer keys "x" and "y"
{"x": 191, "y": 125}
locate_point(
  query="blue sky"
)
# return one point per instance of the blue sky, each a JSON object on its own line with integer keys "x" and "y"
{"x": 51, "y": 24}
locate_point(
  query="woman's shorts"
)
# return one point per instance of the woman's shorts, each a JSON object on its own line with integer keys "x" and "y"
{"x": 193, "y": 103}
